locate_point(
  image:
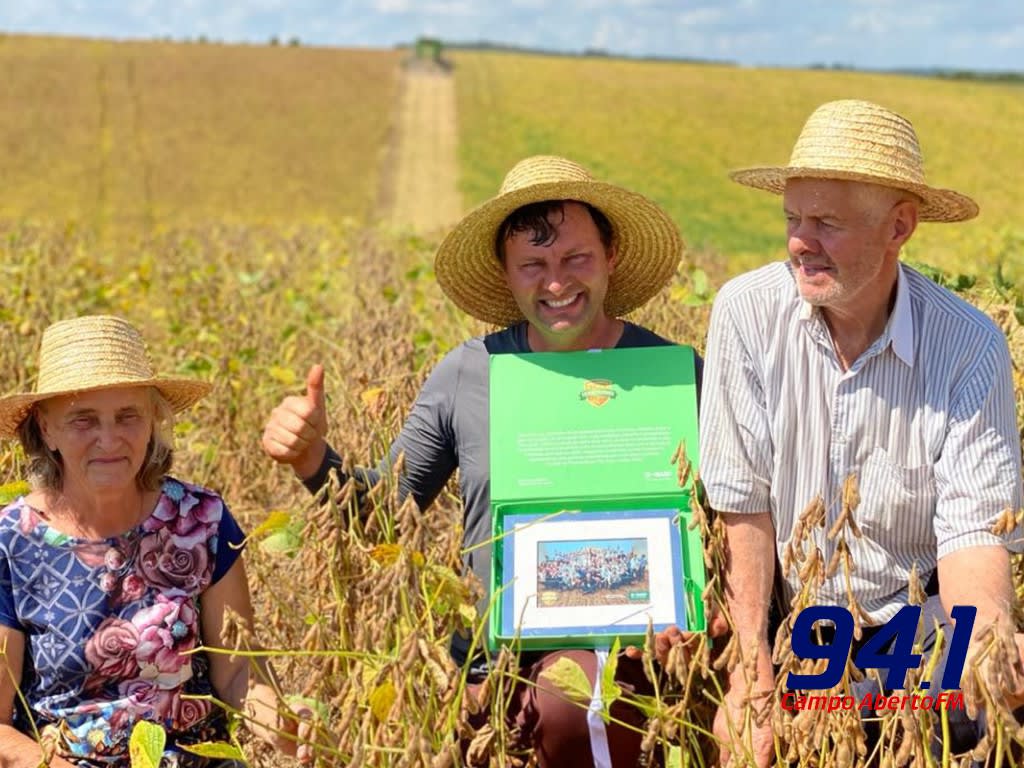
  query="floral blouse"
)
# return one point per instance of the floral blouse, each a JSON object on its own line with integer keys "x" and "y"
{"x": 107, "y": 622}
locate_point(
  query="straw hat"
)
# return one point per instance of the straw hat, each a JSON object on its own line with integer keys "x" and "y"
{"x": 89, "y": 353}
{"x": 861, "y": 141}
{"x": 647, "y": 241}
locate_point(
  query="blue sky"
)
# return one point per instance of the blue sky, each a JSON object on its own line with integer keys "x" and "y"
{"x": 976, "y": 34}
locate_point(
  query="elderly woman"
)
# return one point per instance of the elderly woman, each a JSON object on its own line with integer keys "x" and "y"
{"x": 111, "y": 571}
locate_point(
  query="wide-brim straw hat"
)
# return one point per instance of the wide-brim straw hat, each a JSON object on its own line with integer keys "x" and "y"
{"x": 90, "y": 353}
{"x": 647, "y": 242}
{"x": 861, "y": 141}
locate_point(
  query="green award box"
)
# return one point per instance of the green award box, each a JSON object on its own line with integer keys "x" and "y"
{"x": 589, "y": 498}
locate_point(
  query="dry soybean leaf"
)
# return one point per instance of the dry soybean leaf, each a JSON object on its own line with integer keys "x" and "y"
{"x": 787, "y": 560}
{"x": 982, "y": 750}
{"x": 915, "y": 591}
{"x": 1005, "y": 524}
{"x": 443, "y": 759}
{"x": 386, "y": 554}
{"x": 371, "y": 396}
{"x": 837, "y": 527}
{"x": 568, "y": 677}
{"x": 650, "y": 738}
{"x": 480, "y": 748}
{"x": 276, "y": 521}
{"x": 843, "y": 755}
{"x": 837, "y": 557}
{"x": 851, "y": 523}
{"x": 218, "y": 749}
{"x": 381, "y": 699}
{"x": 807, "y": 569}
{"x": 284, "y": 375}
{"x": 905, "y": 751}
{"x": 851, "y": 492}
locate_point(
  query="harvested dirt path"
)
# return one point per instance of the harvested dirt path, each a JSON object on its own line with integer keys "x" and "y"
{"x": 418, "y": 191}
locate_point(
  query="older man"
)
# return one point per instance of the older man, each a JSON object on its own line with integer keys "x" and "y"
{"x": 844, "y": 362}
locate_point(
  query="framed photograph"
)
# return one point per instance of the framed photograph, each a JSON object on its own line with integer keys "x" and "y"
{"x": 581, "y": 578}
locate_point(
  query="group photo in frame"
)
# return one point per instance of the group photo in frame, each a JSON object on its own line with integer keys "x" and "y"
{"x": 575, "y": 578}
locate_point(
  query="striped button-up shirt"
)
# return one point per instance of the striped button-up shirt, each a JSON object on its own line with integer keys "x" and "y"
{"x": 924, "y": 419}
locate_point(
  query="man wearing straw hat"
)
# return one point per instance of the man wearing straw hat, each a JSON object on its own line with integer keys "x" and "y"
{"x": 554, "y": 260}
{"x": 842, "y": 362}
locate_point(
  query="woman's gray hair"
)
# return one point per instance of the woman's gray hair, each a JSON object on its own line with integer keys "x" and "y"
{"x": 46, "y": 468}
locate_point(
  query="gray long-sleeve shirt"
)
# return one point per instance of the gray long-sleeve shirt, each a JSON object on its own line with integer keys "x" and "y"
{"x": 449, "y": 428}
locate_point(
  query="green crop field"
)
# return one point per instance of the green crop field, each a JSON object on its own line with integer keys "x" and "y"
{"x": 674, "y": 130}
{"x": 226, "y": 199}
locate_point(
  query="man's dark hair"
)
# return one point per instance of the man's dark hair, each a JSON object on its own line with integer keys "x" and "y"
{"x": 533, "y": 218}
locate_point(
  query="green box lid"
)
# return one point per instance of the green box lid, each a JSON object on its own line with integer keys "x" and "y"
{"x": 577, "y": 425}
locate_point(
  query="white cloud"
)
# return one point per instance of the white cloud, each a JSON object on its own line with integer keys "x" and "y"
{"x": 450, "y": 8}
{"x": 872, "y": 23}
{"x": 392, "y": 6}
{"x": 825, "y": 41}
{"x": 1010, "y": 40}
{"x": 700, "y": 16}
{"x": 602, "y": 34}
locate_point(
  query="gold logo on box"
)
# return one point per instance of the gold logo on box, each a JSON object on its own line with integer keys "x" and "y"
{"x": 597, "y": 392}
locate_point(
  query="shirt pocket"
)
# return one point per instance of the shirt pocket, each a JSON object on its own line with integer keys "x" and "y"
{"x": 897, "y": 503}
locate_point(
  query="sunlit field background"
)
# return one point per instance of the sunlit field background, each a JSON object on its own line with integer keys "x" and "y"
{"x": 227, "y": 200}
{"x": 674, "y": 130}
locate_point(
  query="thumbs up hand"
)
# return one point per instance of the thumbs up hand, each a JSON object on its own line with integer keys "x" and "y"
{"x": 296, "y": 431}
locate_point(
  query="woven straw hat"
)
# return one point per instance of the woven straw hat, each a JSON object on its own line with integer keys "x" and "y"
{"x": 89, "y": 353}
{"x": 646, "y": 240}
{"x": 861, "y": 141}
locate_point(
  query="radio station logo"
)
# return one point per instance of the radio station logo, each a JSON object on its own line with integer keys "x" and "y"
{"x": 878, "y": 702}
{"x": 597, "y": 392}
{"x": 889, "y": 648}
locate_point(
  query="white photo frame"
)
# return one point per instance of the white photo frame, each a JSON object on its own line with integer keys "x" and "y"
{"x": 576, "y": 578}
